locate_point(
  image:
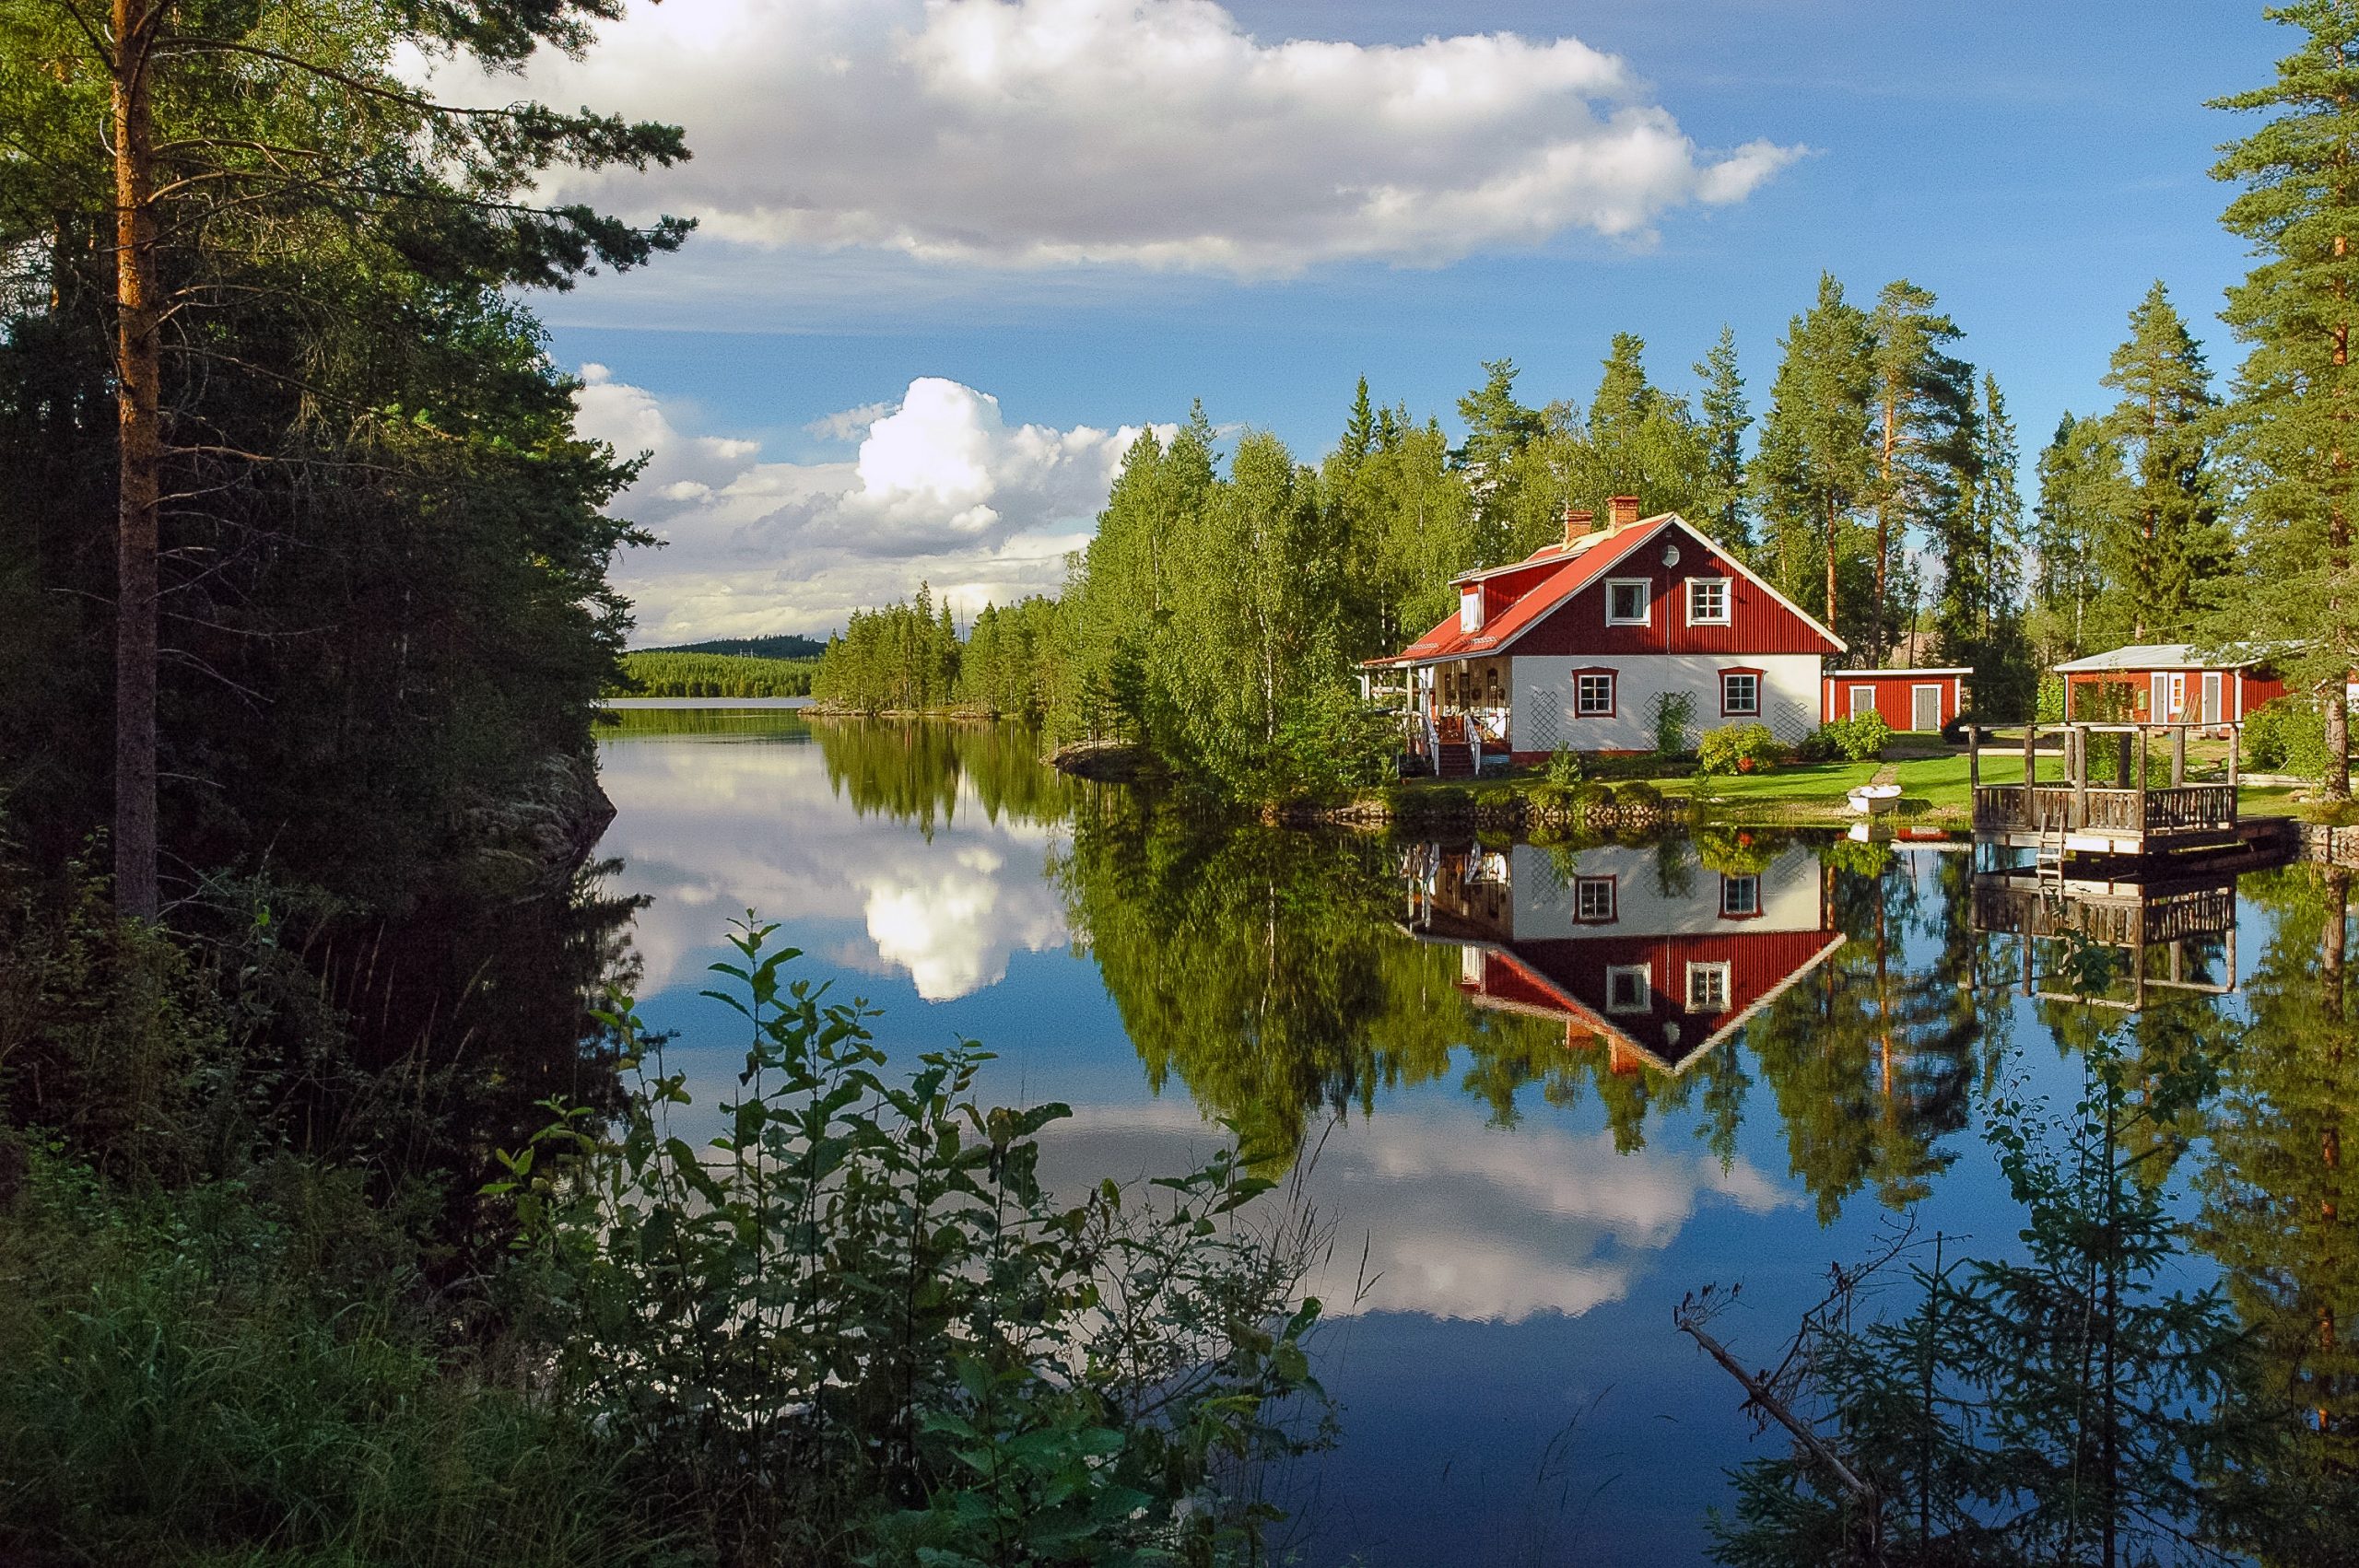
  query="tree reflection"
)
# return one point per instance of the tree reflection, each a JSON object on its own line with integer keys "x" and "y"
{"x": 914, "y": 771}
{"x": 2279, "y": 1212}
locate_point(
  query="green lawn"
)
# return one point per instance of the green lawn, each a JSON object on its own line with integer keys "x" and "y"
{"x": 1931, "y": 786}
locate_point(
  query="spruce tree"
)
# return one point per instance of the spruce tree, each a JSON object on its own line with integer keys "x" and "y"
{"x": 1726, "y": 418}
{"x": 2290, "y": 426}
{"x": 1817, "y": 469}
{"x": 2161, "y": 543}
{"x": 2077, "y": 471}
{"x": 1978, "y": 617}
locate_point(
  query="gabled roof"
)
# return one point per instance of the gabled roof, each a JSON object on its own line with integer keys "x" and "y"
{"x": 1587, "y": 560}
{"x": 2161, "y": 656}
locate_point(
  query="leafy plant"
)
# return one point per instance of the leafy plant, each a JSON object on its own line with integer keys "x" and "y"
{"x": 856, "y": 1324}
{"x": 2286, "y": 735}
{"x": 1739, "y": 748}
{"x": 1565, "y": 769}
{"x": 1859, "y": 739}
{"x": 1673, "y": 713}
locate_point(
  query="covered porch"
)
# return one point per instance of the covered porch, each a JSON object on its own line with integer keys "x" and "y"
{"x": 1453, "y": 713}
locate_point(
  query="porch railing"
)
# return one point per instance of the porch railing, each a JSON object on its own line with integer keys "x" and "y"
{"x": 2052, "y": 807}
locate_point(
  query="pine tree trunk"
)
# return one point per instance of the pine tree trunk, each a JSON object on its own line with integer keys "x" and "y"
{"x": 138, "y": 380}
{"x": 1830, "y": 566}
{"x": 1881, "y": 621}
{"x": 2336, "y": 785}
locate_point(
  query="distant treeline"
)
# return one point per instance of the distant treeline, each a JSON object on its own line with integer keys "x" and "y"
{"x": 715, "y": 674}
{"x": 909, "y": 658}
{"x": 785, "y": 645}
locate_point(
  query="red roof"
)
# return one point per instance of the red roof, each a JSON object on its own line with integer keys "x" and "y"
{"x": 1585, "y": 560}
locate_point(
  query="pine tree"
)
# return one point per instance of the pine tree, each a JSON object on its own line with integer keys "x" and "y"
{"x": 1923, "y": 408}
{"x": 1726, "y": 417}
{"x": 1977, "y": 618}
{"x": 1359, "y": 433}
{"x": 2290, "y": 429}
{"x": 1816, "y": 467}
{"x": 2161, "y": 543}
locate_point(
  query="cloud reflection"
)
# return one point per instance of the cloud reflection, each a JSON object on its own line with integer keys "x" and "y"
{"x": 1460, "y": 1220}
{"x": 724, "y": 825}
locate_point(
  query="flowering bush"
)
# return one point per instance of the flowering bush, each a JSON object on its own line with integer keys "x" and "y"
{"x": 1739, "y": 748}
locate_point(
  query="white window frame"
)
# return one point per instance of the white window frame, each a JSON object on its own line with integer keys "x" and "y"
{"x": 2215, "y": 697}
{"x": 1613, "y": 681}
{"x": 1728, "y": 601}
{"x": 1646, "y": 602}
{"x": 1470, "y": 611}
{"x": 1857, "y": 710}
{"x": 1751, "y": 883}
{"x": 1728, "y": 712}
{"x": 1644, "y": 1001}
{"x": 1716, "y": 976}
{"x": 1583, "y": 886}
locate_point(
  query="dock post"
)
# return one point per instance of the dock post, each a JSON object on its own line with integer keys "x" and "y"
{"x": 1973, "y": 759}
{"x": 2029, "y": 779}
{"x": 2178, "y": 757}
{"x": 2079, "y": 751}
{"x": 2235, "y": 734}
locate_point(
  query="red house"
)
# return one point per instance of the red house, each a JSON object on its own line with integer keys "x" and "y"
{"x": 1656, "y": 977}
{"x": 2166, "y": 682}
{"x": 1909, "y": 699}
{"x": 1574, "y": 645}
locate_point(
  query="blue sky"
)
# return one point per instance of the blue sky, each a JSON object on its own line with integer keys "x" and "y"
{"x": 2036, "y": 167}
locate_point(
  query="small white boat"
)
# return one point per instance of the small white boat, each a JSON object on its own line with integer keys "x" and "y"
{"x": 1875, "y": 800}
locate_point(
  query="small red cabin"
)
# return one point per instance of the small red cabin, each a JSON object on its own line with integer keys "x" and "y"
{"x": 2166, "y": 683}
{"x": 1909, "y": 699}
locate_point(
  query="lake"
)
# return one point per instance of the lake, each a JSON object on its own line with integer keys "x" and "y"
{"x": 1540, "y": 1093}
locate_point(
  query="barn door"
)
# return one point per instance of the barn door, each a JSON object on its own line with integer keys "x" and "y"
{"x": 1863, "y": 701}
{"x": 2211, "y": 704}
{"x": 1924, "y": 708}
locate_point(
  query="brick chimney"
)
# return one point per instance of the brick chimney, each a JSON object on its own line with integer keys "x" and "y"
{"x": 1622, "y": 512}
{"x": 1578, "y": 523}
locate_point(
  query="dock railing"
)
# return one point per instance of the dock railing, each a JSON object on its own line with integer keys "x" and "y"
{"x": 2140, "y": 809}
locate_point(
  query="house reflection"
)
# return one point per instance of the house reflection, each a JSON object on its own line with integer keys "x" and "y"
{"x": 1641, "y": 951}
{"x": 2176, "y": 933}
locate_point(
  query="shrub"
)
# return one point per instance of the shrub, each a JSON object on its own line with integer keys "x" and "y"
{"x": 1816, "y": 747}
{"x": 1638, "y": 792}
{"x": 1673, "y": 713}
{"x": 2286, "y": 735}
{"x": 1739, "y": 748}
{"x": 1565, "y": 769}
{"x": 1599, "y": 794}
{"x": 855, "y": 1325}
{"x": 1856, "y": 740}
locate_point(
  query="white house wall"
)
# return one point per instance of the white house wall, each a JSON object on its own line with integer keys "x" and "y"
{"x": 1542, "y": 715}
{"x": 1542, "y": 892}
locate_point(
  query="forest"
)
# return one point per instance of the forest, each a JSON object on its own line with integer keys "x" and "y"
{"x": 1229, "y": 591}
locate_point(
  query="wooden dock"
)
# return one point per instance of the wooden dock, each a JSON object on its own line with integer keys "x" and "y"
{"x": 2132, "y": 816}
{"x": 2152, "y": 921}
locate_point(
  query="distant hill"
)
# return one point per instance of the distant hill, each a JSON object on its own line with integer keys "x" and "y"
{"x": 781, "y": 647}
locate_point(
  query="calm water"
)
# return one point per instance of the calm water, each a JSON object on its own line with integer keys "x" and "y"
{"x": 1550, "y": 1091}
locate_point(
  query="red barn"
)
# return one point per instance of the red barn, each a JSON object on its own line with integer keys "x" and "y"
{"x": 1909, "y": 699}
{"x": 2166, "y": 682}
{"x": 1574, "y": 646}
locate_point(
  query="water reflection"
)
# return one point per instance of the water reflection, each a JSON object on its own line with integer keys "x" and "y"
{"x": 1541, "y": 1091}
{"x": 2170, "y": 931}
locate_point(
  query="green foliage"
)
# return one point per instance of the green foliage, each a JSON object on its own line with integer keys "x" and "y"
{"x": 1565, "y": 769}
{"x": 1637, "y": 792}
{"x": 902, "y": 659}
{"x": 857, "y": 1326}
{"x": 1861, "y": 739}
{"x": 1007, "y": 668}
{"x": 2285, "y": 735}
{"x": 783, "y": 645}
{"x": 1739, "y": 748}
{"x": 253, "y": 1370}
{"x": 2010, "y": 1410}
{"x": 1674, "y": 713}
{"x": 2048, "y": 709}
{"x": 712, "y": 674}
{"x": 1814, "y": 471}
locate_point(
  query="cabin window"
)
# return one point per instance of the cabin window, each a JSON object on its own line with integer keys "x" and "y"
{"x": 1593, "y": 695}
{"x": 1628, "y": 600}
{"x": 1629, "y": 988}
{"x": 1470, "y": 611}
{"x": 1739, "y": 693}
{"x": 1740, "y": 897}
{"x": 1708, "y": 601}
{"x": 1708, "y": 988}
{"x": 1593, "y": 900}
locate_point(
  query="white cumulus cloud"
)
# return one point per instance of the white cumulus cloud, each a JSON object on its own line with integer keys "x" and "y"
{"x": 1155, "y": 133}
{"x": 943, "y": 489}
